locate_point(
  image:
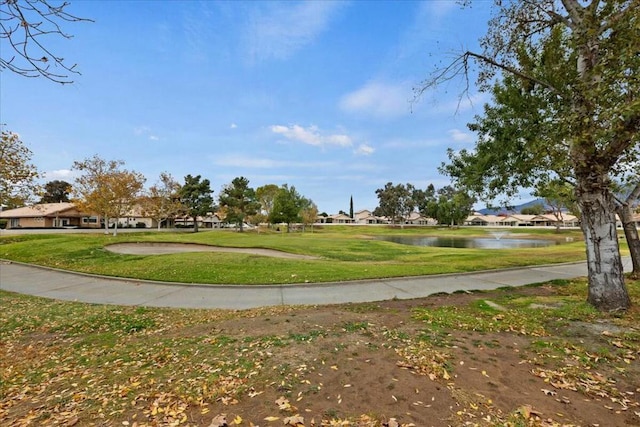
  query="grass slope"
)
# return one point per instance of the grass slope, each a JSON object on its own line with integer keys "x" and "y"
{"x": 346, "y": 253}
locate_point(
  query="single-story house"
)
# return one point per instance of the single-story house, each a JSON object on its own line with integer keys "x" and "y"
{"x": 49, "y": 215}
{"x": 135, "y": 218}
{"x": 367, "y": 217}
{"x": 518, "y": 220}
{"x": 208, "y": 221}
{"x": 484, "y": 220}
{"x": 550, "y": 220}
{"x": 416, "y": 218}
{"x": 342, "y": 219}
{"x": 335, "y": 219}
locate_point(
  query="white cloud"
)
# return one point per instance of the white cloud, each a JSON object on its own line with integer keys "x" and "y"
{"x": 378, "y": 99}
{"x": 364, "y": 150}
{"x": 283, "y": 28}
{"x": 233, "y": 126}
{"x": 153, "y": 138}
{"x": 311, "y": 136}
{"x": 459, "y": 136}
{"x": 61, "y": 174}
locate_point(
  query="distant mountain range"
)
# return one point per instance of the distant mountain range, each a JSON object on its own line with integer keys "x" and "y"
{"x": 514, "y": 209}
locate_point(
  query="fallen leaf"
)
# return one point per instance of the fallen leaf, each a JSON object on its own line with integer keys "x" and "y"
{"x": 525, "y": 411}
{"x": 391, "y": 423}
{"x": 296, "y": 421}
{"x": 283, "y": 404}
{"x": 219, "y": 421}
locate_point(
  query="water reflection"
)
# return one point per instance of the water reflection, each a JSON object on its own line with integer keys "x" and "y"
{"x": 470, "y": 242}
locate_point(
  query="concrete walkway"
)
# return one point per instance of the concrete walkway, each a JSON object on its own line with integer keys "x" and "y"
{"x": 63, "y": 285}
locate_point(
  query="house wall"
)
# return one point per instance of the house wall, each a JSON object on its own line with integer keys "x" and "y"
{"x": 38, "y": 222}
{"x": 46, "y": 222}
{"x": 133, "y": 221}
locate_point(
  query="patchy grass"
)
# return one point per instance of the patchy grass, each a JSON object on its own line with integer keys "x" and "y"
{"x": 531, "y": 356}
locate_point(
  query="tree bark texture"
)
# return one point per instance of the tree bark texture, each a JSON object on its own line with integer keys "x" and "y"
{"x": 607, "y": 291}
{"x": 631, "y": 234}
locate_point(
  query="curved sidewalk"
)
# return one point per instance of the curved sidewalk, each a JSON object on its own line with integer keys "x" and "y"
{"x": 63, "y": 285}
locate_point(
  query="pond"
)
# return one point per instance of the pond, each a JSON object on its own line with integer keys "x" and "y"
{"x": 471, "y": 242}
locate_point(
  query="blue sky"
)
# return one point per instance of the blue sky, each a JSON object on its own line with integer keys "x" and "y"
{"x": 318, "y": 95}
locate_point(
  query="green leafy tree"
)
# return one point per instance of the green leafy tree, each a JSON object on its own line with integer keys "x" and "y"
{"x": 266, "y": 194}
{"x": 537, "y": 209}
{"x": 196, "y": 196}
{"x": 18, "y": 176}
{"x": 563, "y": 76}
{"x": 396, "y": 202}
{"x": 423, "y": 198}
{"x": 351, "y": 207}
{"x": 56, "y": 191}
{"x": 454, "y": 206}
{"x": 240, "y": 201}
{"x": 447, "y": 205}
{"x": 287, "y": 206}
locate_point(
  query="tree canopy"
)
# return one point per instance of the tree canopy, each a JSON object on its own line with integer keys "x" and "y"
{"x": 18, "y": 176}
{"x": 240, "y": 201}
{"x": 196, "y": 196}
{"x": 448, "y": 205}
{"x": 308, "y": 215}
{"x": 56, "y": 191}
{"x": 566, "y": 105}
{"x": 162, "y": 202}
{"x": 266, "y": 194}
{"x": 106, "y": 189}
{"x": 287, "y": 206}
{"x": 395, "y": 201}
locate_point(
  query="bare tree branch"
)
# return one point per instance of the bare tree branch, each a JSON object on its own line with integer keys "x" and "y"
{"x": 25, "y": 24}
{"x": 460, "y": 67}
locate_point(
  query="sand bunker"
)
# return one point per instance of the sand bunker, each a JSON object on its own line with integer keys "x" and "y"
{"x": 148, "y": 248}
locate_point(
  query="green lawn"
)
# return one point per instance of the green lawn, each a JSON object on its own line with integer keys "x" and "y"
{"x": 345, "y": 253}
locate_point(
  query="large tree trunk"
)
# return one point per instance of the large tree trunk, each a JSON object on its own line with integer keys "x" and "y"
{"x": 631, "y": 234}
{"x": 195, "y": 224}
{"x": 607, "y": 291}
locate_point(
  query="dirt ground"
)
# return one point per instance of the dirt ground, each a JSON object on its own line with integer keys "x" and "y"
{"x": 346, "y": 366}
{"x": 388, "y": 364}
